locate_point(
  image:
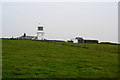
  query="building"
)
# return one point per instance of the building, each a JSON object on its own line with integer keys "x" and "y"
{"x": 38, "y": 37}
{"x": 80, "y": 39}
{"x": 90, "y": 41}
{"x": 40, "y": 32}
{"x": 25, "y": 37}
{"x": 70, "y": 41}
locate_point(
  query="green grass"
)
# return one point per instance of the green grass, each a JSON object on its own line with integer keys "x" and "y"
{"x": 0, "y": 58}
{"x": 39, "y": 59}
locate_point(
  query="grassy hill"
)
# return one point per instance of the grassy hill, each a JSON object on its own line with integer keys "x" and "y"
{"x": 39, "y": 59}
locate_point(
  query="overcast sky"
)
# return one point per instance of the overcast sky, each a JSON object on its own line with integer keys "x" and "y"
{"x": 62, "y": 20}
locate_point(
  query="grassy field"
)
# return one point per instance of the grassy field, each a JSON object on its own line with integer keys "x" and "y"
{"x": 39, "y": 59}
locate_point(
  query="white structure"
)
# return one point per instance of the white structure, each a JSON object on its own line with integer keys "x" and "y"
{"x": 40, "y": 32}
{"x": 74, "y": 40}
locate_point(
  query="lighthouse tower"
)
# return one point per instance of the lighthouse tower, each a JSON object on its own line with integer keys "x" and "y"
{"x": 40, "y": 32}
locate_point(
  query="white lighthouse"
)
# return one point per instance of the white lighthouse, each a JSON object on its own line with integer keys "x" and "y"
{"x": 40, "y": 32}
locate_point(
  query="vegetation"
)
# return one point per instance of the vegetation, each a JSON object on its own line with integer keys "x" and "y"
{"x": 0, "y": 58}
{"x": 40, "y": 59}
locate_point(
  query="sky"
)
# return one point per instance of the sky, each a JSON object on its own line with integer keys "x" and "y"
{"x": 62, "y": 20}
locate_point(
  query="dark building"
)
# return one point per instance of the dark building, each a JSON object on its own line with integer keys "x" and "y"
{"x": 53, "y": 40}
{"x": 70, "y": 41}
{"x": 90, "y": 41}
